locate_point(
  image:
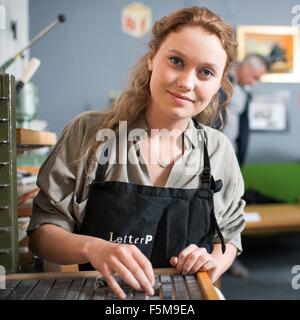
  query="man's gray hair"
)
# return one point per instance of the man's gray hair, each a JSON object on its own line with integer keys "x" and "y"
{"x": 256, "y": 61}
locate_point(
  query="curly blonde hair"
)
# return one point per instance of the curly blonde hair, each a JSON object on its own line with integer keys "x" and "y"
{"x": 129, "y": 105}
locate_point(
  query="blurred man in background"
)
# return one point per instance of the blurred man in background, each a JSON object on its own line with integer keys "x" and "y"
{"x": 244, "y": 76}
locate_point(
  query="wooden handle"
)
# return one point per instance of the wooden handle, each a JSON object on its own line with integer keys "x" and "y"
{"x": 207, "y": 289}
{"x": 30, "y": 70}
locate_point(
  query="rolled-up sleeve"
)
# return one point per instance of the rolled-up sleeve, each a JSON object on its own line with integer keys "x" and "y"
{"x": 232, "y": 221}
{"x": 53, "y": 204}
{"x": 58, "y": 179}
{"x": 229, "y": 205}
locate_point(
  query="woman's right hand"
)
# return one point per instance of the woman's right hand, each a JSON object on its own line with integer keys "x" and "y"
{"x": 126, "y": 260}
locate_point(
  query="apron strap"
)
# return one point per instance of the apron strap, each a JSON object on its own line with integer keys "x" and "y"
{"x": 206, "y": 173}
{"x": 102, "y": 165}
{"x": 219, "y": 232}
{"x": 215, "y": 186}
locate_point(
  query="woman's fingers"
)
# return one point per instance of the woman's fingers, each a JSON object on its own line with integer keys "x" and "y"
{"x": 144, "y": 263}
{"x": 208, "y": 265}
{"x": 114, "y": 286}
{"x": 142, "y": 270}
{"x": 183, "y": 256}
{"x": 195, "y": 260}
{"x": 125, "y": 260}
{"x": 134, "y": 268}
{"x": 204, "y": 263}
{"x": 125, "y": 274}
{"x": 128, "y": 262}
{"x": 174, "y": 261}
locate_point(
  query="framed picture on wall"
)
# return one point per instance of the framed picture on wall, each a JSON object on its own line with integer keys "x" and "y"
{"x": 268, "y": 113}
{"x": 280, "y": 45}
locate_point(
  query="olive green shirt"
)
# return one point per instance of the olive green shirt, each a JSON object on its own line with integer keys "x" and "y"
{"x": 64, "y": 184}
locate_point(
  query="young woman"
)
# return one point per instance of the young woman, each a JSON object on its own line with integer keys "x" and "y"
{"x": 142, "y": 199}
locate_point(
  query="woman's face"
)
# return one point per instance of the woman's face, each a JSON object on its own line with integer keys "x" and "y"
{"x": 186, "y": 73}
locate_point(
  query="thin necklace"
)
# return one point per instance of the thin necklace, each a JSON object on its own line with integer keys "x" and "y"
{"x": 161, "y": 164}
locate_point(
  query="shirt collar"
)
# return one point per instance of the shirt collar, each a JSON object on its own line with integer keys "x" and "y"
{"x": 192, "y": 134}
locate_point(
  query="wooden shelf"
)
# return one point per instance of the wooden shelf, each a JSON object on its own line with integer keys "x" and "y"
{"x": 32, "y": 169}
{"x": 25, "y": 211}
{"x": 32, "y": 138}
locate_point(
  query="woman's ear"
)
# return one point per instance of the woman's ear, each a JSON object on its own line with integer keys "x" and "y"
{"x": 150, "y": 63}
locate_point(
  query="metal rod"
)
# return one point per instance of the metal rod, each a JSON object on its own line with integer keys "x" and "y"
{"x": 60, "y": 19}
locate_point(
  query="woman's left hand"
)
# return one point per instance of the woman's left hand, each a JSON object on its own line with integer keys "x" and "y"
{"x": 193, "y": 259}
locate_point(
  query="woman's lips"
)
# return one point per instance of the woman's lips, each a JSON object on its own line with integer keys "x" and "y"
{"x": 180, "y": 98}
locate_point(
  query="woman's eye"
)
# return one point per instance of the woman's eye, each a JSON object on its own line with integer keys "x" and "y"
{"x": 177, "y": 61}
{"x": 206, "y": 73}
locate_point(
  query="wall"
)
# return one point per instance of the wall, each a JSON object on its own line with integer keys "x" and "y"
{"x": 86, "y": 57}
{"x": 16, "y": 11}
{"x": 89, "y": 55}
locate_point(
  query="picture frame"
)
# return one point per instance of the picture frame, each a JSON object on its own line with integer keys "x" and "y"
{"x": 279, "y": 44}
{"x": 268, "y": 113}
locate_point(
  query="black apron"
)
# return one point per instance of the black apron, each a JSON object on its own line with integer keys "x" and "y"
{"x": 160, "y": 221}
